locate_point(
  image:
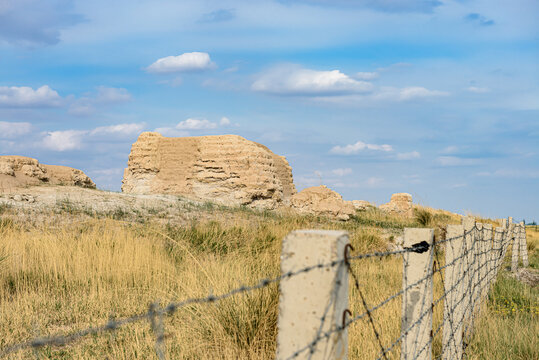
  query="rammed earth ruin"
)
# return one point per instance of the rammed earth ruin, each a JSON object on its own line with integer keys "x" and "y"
{"x": 226, "y": 169}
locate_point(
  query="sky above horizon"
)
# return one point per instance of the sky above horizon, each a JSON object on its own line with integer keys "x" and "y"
{"x": 437, "y": 98}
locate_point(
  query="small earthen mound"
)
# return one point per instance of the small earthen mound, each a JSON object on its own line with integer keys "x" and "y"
{"x": 21, "y": 171}
{"x": 320, "y": 200}
{"x": 362, "y": 205}
{"x": 226, "y": 169}
{"x": 400, "y": 204}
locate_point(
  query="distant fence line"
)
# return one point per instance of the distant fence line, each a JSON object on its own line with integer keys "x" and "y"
{"x": 314, "y": 292}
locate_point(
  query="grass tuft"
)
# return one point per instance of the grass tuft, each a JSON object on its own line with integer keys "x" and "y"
{"x": 423, "y": 217}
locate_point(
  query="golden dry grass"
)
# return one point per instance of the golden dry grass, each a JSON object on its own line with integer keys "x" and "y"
{"x": 59, "y": 279}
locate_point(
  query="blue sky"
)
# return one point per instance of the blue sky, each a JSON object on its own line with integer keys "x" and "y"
{"x": 438, "y": 98}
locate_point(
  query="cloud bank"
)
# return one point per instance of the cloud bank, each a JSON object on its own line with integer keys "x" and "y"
{"x": 24, "y": 96}
{"x": 297, "y": 81}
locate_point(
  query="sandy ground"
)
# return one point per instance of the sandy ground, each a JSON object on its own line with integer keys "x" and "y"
{"x": 34, "y": 202}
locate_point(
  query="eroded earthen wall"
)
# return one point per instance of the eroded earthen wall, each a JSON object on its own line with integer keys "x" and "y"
{"x": 226, "y": 168}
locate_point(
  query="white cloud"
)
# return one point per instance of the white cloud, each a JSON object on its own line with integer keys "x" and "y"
{"x": 105, "y": 96}
{"x": 341, "y": 171}
{"x": 452, "y": 149}
{"x": 110, "y": 95}
{"x": 366, "y": 75}
{"x": 409, "y": 155}
{"x": 14, "y": 129}
{"x": 24, "y": 96}
{"x": 414, "y": 92}
{"x": 219, "y": 15}
{"x": 107, "y": 172}
{"x": 358, "y": 147}
{"x": 120, "y": 129}
{"x": 374, "y": 181}
{"x": 196, "y": 124}
{"x": 391, "y": 6}
{"x": 224, "y": 121}
{"x": 64, "y": 140}
{"x": 456, "y": 161}
{"x": 413, "y": 179}
{"x": 381, "y": 95}
{"x": 175, "y": 82}
{"x": 294, "y": 80}
{"x": 171, "y": 132}
{"x": 272, "y": 136}
{"x": 81, "y": 108}
{"x": 512, "y": 173}
{"x": 478, "y": 90}
{"x": 231, "y": 69}
{"x": 187, "y": 62}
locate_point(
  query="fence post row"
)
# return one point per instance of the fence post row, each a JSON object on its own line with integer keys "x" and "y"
{"x": 453, "y": 306}
{"x": 312, "y": 304}
{"x": 417, "y": 301}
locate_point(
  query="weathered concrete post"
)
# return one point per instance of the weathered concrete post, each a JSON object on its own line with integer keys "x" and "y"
{"x": 478, "y": 267}
{"x": 417, "y": 301}
{"x": 498, "y": 248}
{"x": 469, "y": 239}
{"x": 312, "y": 303}
{"x": 516, "y": 245}
{"x": 523, "y": 245}
{"x": 455, "y": 287}
{"x": 506, "y": 240}
{"x": 486, "y": 252}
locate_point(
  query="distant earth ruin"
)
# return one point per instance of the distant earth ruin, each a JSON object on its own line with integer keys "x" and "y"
{"x": 21, "y": 171}
{"x": 226, "y": 169}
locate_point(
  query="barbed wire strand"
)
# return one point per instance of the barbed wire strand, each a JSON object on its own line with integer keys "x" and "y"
{"x": 364, "y": 302}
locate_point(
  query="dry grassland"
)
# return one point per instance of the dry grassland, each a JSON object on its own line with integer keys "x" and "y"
{"x": 59, "y": 279}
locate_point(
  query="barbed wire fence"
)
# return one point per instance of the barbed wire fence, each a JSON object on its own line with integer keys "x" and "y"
{"x": 315, "y": 265}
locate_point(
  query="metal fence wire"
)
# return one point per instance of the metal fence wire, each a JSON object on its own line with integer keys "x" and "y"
{"x": 469, "y": 277}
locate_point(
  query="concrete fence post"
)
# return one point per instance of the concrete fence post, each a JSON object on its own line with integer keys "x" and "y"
{"x": 417, "y": 301}
{"x": 469, "y": 223}
{"x": 523, "y": 245}
{"x": 477, "y": 269}
{"x": 485, "y": 260}
{"x": 454, "y": 284}
{"x": 506, "y": 241}
{"x": 312, "y": 304}
{"x": 498, "y": 250}
{"x": 515, "y": 236}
